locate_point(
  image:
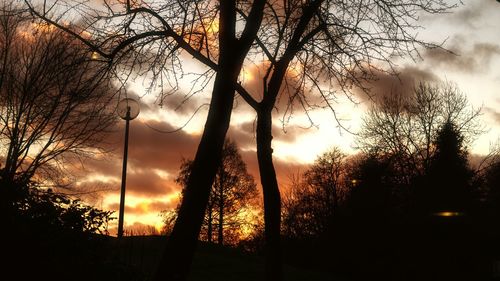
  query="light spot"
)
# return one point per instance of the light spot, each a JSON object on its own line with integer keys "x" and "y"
{"x": 448, "y": 214}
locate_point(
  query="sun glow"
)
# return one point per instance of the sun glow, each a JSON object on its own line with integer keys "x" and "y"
{"x": 246, "y": 75}
{"x": 29, "y": 32}
{"x": 142, "y": 210}
{"x": 212, "y": 26}
{"x": 248, "y": 214}
{"x": 95, "y": 56}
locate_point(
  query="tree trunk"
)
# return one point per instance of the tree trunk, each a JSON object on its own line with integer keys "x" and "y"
{"x": 272, "y": 199}
{"x": 180, "y": 248}
{"x": 179, "y": 251}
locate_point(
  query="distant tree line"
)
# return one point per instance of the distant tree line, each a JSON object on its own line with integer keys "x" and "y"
{"x": 412, "y": 186}
{"x": 411, "y": 183}
{"x": 413, "y": 163}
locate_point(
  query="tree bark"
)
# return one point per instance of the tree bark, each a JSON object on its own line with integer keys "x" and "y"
{"x": 272, "y": 198}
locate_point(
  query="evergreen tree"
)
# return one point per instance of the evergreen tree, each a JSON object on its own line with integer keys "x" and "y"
{"x": 447, "y": 184}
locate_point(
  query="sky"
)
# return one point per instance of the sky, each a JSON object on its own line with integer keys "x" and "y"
{"x": 470, "y": 31}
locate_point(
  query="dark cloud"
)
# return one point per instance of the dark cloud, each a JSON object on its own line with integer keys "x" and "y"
{"x": 108, "y": 165}
{"x": 494, "y": 113}
{"x": 182, "y": 103}
{"x": 475, "y": 59}
{"x": 471, "y": 13}
{"x": 243, "y": 134}
{"x": 149, "y": 152}
{"x": 403, "y": 83}
{"x": 146, "y": 182}
{"x": 140, "y": 182}
{"x": 151, "y": 149}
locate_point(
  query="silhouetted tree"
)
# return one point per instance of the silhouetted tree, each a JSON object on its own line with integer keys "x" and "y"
{"x": 232, "y": 192}
{"x": 327, "y": 39}
{"x": 492, "y": 186}
{"x": 55, "y": 107}
{"x": 320, "y": 47}
{"x": 213, "y": 34}
{"x": 54, "y": 100}
{"x": 447, "y": 184}
{"x": 372, "y": 187}
{"x": 314, "y": 199}
{"x": 404, "y": 126}
{"x": 53, "y": 236}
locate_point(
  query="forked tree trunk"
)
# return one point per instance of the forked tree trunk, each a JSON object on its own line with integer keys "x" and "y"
{"x": 272, "y": 198}
{"x": 179, "y": 251}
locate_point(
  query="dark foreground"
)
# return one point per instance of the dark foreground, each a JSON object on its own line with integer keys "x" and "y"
{"x": 435, "y": 249}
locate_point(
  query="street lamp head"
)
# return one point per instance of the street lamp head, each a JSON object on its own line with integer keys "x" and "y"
{"x": 128, "y": 109}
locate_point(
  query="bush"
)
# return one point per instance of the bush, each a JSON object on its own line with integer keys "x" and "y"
{"x": 51, "y": 236}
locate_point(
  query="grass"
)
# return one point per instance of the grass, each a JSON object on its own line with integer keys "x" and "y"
{"x": 211, "y": 262}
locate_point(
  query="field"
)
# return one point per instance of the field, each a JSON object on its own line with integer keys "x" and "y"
{"x": 211, "y": 262}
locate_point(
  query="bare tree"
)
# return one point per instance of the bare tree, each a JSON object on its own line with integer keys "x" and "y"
{"x": 160, "y": 30}
{"x": 54, "y": 99}
{"x": 314, "y": 198}
{"x": 405, "y": 126}
{"x": 335, "y": 45}
{"x": 314, "y": 51}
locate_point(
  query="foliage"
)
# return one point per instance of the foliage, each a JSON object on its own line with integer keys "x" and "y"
{"x": 492, "y": 184}
{"x": 439, "y": 226}
{"x": 229, "y": 206}
{"x": 372, "y": 193}
{"x": 33, "y": 205}
{"x": 52, "y": 234}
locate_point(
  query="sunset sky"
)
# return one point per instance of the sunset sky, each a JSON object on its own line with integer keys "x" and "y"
{"x": 471, "y": 31}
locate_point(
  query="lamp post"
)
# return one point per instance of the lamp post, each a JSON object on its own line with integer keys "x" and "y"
{"x": 127, "y": 109}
